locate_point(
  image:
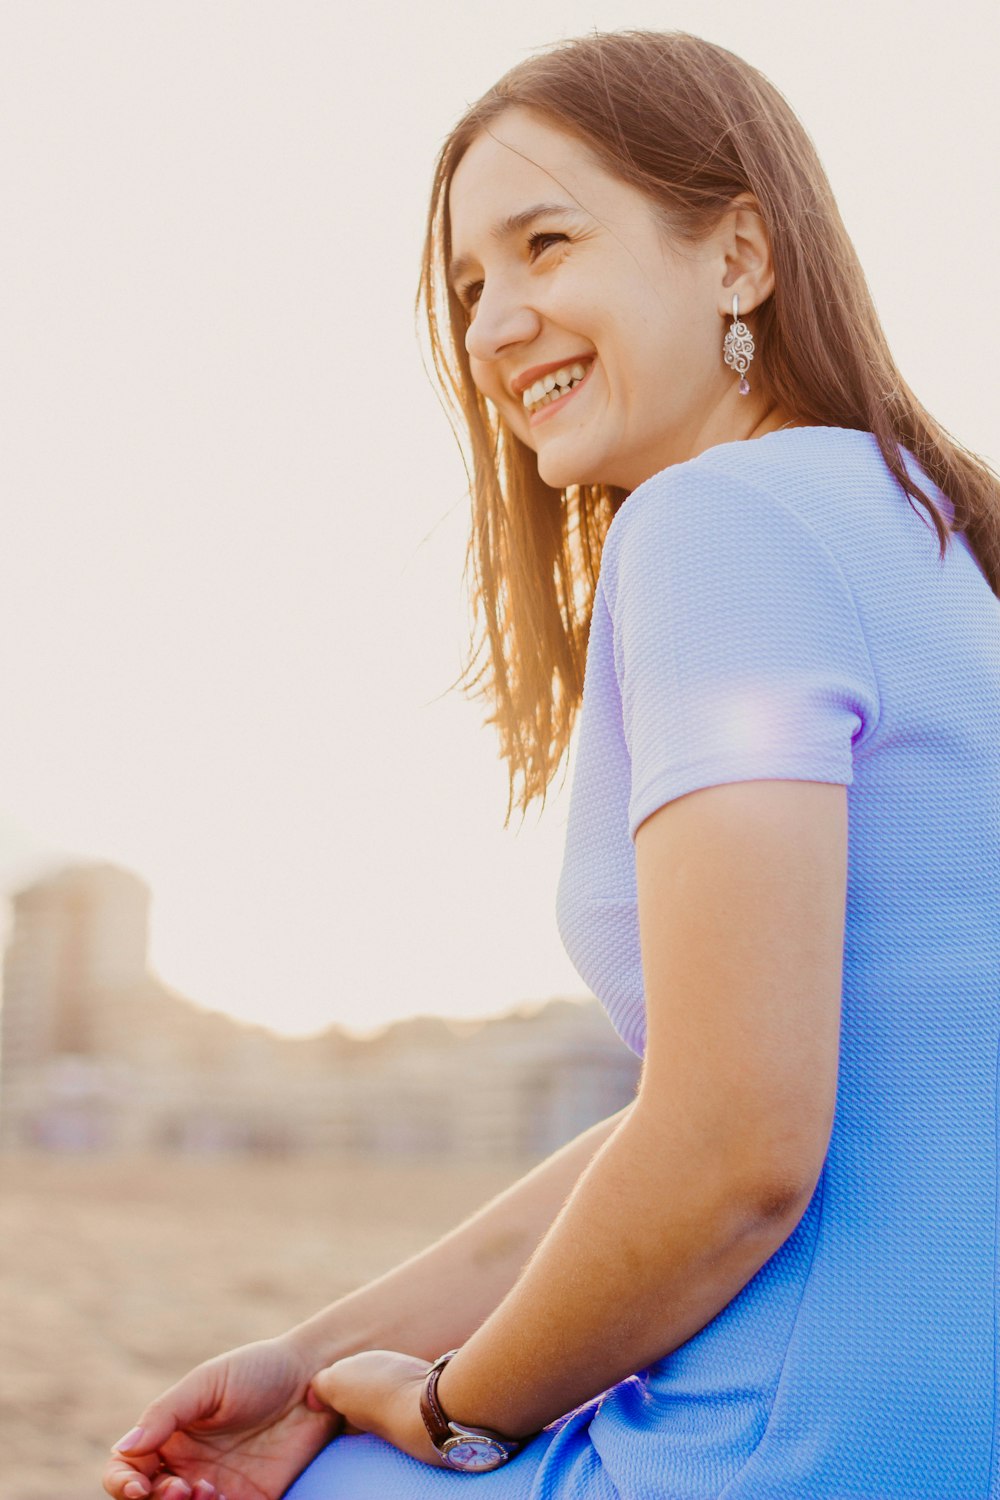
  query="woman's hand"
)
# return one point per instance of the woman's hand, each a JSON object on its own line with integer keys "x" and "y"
{"x": 379, "y": 1391}
{"x": 241, "y": 1426}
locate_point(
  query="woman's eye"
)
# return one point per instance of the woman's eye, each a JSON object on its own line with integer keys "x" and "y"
{"x": 534, "y": 239}
{"x": 472, "y": 290}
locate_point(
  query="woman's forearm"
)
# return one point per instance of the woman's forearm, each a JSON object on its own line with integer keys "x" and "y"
{"x": 654, "y": 1241}
{"x": 438, "y": 1298}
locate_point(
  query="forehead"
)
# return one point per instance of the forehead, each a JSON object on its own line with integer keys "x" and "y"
{"x": 519, "y": 160}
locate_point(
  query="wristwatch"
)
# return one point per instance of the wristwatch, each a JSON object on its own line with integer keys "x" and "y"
{"x": 474, "y": 1450}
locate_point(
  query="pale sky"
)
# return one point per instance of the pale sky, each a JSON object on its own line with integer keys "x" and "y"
{"x": 230, "y": 581}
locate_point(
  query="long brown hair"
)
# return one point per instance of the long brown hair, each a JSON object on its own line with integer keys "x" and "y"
{"x": 691, "y": 125}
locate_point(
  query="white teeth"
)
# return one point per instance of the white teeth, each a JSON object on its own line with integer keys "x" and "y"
{"x": 553, "y": 385}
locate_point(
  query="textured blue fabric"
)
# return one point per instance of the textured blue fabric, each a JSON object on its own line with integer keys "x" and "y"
{"x": 777, "y": 608}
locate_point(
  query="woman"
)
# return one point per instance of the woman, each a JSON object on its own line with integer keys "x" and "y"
{"x": 773, "y": 1274}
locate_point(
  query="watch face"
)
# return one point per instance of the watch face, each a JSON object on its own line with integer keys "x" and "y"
{"x": 474, "y": 1454}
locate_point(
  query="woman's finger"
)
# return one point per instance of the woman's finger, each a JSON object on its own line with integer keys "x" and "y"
{"x": 169, "y": 1487}
{"x": 179, "y": 1406}
{"x": 130, "y": 1479}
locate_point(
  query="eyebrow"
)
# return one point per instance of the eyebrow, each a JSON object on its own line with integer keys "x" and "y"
{"x": 506, "y": 227}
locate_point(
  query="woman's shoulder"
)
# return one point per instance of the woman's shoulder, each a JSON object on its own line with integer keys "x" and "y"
{"x": 830, "y": 483}
{"x": 807, "y": 457}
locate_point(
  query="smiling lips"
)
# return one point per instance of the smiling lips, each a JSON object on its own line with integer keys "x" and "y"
{"x": 538, "y": 372}
{"x": 552, "y": 388}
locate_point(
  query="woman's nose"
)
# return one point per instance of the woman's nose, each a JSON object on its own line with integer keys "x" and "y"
{"x": 499, "y": 322}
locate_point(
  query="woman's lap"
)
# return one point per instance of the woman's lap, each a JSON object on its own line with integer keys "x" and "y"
{"x": 560, "y": 1464}
{"x": 362, "y": 1465}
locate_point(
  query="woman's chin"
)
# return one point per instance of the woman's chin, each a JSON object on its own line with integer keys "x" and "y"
{"x": 562, "y": 476}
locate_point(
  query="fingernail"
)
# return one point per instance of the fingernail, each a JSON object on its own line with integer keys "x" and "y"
{"x": 129, "y": 1440}
{"x": 134, "y": 1489}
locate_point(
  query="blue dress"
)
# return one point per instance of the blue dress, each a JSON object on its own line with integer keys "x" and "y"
{"x": 776, "y": 608}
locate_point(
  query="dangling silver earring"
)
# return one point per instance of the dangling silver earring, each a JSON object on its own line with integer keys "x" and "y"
{"x": 738, "y": 346}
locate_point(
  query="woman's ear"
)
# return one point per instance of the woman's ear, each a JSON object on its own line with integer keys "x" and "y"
{"x": 746, "y": 252}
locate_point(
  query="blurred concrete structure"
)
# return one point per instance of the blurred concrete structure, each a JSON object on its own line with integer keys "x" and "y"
{"x": 96, "y": 1053}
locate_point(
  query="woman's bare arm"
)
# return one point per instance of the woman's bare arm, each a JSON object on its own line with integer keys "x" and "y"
{"x": 741, "y": 901}
{"x": 435, "y": 1300}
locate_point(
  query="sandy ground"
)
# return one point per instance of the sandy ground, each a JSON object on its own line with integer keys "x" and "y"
{"x": 118, "y": 1275}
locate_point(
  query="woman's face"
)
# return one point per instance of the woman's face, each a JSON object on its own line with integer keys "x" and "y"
{"x": 596, "y": 285}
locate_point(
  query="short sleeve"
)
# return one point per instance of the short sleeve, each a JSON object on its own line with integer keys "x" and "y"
{"x": 737, "y": 642}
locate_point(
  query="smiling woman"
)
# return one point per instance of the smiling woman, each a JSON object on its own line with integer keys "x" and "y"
{"x": 610, "y": 288}
{"x": 774, "y": 1272}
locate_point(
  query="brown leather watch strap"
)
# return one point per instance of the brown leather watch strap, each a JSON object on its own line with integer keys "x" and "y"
{"x": 430, "y": 1408}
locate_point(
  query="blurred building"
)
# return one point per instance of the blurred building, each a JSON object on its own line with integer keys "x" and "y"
{"x": 97, "y": 1053}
